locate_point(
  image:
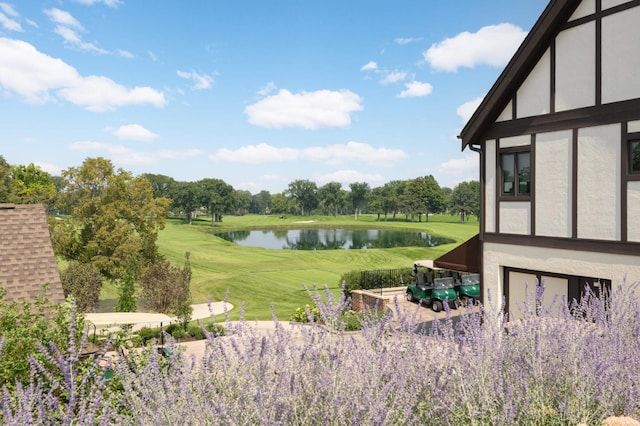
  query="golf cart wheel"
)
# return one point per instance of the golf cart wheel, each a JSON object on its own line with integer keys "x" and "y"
{"x": 436, "y": 306}
{"x": 457, "y": 303}
{"x": 409, "y": 296}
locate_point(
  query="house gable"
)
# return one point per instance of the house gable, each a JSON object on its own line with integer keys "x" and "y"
{"x": 27, "y": 261}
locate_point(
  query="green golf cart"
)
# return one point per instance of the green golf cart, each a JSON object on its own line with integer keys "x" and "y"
{"x": 468, "y": 288}
{"x": 432, "y": 286}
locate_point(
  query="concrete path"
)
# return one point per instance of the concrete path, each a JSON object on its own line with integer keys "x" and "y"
{"x": 112, "y": 320}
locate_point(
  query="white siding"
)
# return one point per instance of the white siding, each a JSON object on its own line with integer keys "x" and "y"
{"x": 599, "y": 182}
{"x": 606, "y": 4}
{"x": 512, "y": 141}
{"x": 575, "y": 67}
{"x": 566, "y": 262}
{"x": 490, "y": 186}
{"x": 553, "y": 184}
{"x": 534, "y": 95}
{"x": 515, "y": 217}
{"x": 633, "y": 207}
{"x": 507, "y": 113}
{"x": 586, "y": 8}
{"x": 620, "y": 56}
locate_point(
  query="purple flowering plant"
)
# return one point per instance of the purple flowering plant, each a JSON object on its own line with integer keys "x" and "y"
{"x": 574, "y": 362}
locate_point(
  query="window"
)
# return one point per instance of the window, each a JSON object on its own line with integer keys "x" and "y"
{"x": 634, "y": 156}
{"x": 516, "y": 173}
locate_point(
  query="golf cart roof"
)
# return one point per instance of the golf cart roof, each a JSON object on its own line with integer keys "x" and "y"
{"x": 425, "y": 264}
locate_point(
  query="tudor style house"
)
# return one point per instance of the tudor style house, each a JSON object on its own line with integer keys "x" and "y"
{"x": 558, "y": 137}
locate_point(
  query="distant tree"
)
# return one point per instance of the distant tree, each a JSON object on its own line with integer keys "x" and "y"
{"x": 260, "y": 203}
{"x": 465, "y": 199}
{"x": 446, "y": 197}
{"x": 218, "y": 196}
{"x": 376, "y": 202}
{"x": 187, "y": 196}
{"x": 305, "y": 193}
{"x": 114, "y": 217}
{"x": 242, "y": 201}
{"x": 393, "y": 196}
{"x": 127, "y": 291}
{"x": 161, "y": 185}
{"x": 280, "y": 203}
{"x": 429, "y": 194}
{"x": 5, "y": 181}
{"x": 359, "y": 192}
{"x": 166, "y": 288}
{"x": 330, "y": 196}
{"x": 31, "y": 185}
{"x": 83, "y": 281}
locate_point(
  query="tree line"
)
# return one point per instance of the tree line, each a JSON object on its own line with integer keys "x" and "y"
{"x": 112, "y": 218}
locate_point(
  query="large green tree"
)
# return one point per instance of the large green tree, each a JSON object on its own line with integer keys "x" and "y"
{"x": 465, "y": 199}
{"x": 330, "y": 196}
{"x": 114, "y": 218}
{"x": 5, "y": 181}
{"x": 31, "y": 185}
{"x": 359, "y": 192}
{"x": 217, "y": 196}
{"x": 305, "y": 193}
{"x": 187, "y": 196}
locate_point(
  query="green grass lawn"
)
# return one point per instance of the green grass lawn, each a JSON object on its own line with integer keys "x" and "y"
{"x": 260, "y": 278}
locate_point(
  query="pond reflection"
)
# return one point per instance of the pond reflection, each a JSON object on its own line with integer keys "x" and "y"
{"x": 332, "y": 239}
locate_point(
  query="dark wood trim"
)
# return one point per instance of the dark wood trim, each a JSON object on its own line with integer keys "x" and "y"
{"x": 597, "y": 246}
{"x": 574, "y": 184}
{"x": 583, "y": 117}
{"x": 598, "y": 47}
{"x": 532, "y": 183}
{"x": 498, "y": 185}
{"x": 624, "y": 174}
{"x": 552, "y": 77}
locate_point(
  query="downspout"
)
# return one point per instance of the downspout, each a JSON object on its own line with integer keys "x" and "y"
{"x": 481, "y": 218}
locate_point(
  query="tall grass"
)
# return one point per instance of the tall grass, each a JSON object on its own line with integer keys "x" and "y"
{"x": 543, "y": 370}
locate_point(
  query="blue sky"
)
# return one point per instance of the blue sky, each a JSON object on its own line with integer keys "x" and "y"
{"x": 257, "y": 93}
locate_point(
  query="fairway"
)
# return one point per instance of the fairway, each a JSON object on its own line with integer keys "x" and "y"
{"x": 259, "y": 278}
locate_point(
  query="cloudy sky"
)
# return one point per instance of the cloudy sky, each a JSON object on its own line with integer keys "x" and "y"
{"x": 257, "y": 93}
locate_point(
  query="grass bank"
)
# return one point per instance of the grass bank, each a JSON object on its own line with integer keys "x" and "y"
{"x": 260, "y": 278}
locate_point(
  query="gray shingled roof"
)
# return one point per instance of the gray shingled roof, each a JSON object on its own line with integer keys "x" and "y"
{"x": 26, "y": 254}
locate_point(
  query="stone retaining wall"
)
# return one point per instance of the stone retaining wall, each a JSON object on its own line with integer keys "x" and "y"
{"x": 366, "y": 300}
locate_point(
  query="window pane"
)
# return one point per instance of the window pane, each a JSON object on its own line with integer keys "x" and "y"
{"x": 634, "y": 156}
{"x": 524, "y": 173}
{"x": 508, "y": 178}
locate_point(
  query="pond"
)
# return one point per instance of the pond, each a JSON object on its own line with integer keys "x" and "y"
{"x": 332, "y": 239}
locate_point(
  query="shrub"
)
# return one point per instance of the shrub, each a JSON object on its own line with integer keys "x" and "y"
{"x": 165, "y": 288}
{"x": 83, "y": 281}
{"x": 306, "y": 314}
{"x": 350, "y": 281}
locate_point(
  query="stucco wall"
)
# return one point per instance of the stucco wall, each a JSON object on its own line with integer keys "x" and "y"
{"x": 553, "y": 184}
{"x": 620, "y": 56}
{"x": 575, "y": 67}
{"x": 533, "y": 96}
{"x": 567, "y": 262}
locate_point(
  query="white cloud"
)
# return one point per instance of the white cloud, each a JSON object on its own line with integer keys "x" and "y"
{"x": 393, "y": 77}
{"x": 331, "y": 154}
{"x": 8, "y": 9}
{"x": 125, "y": 54}
{"x": 466, "y": 110}
{"x": 269, "y": 88}
{"x": 416, "y": 89}
{"x": 52, "y": 169}
{"x": 126, "y": 156}
{"x": 200, "y": 81}
{"x": 346, "y": 177}
{"x": 309, "y": 110}
{"x": 369, "y": 66}
{"x": 34, "y": 76}
{"x": 135, "y": 132}
{"x": 461, "y": 169}
{"x": 153, "y": 56}
{"x": 67, "y": 27}
{"x": 173, "y": 154}
{"x": 118, "y": 153}
{"x": 109, "y": 3}
{"x": 9, "y": 24}
{"x": 493, "y": 45}
{"x": 406, "y": 40}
